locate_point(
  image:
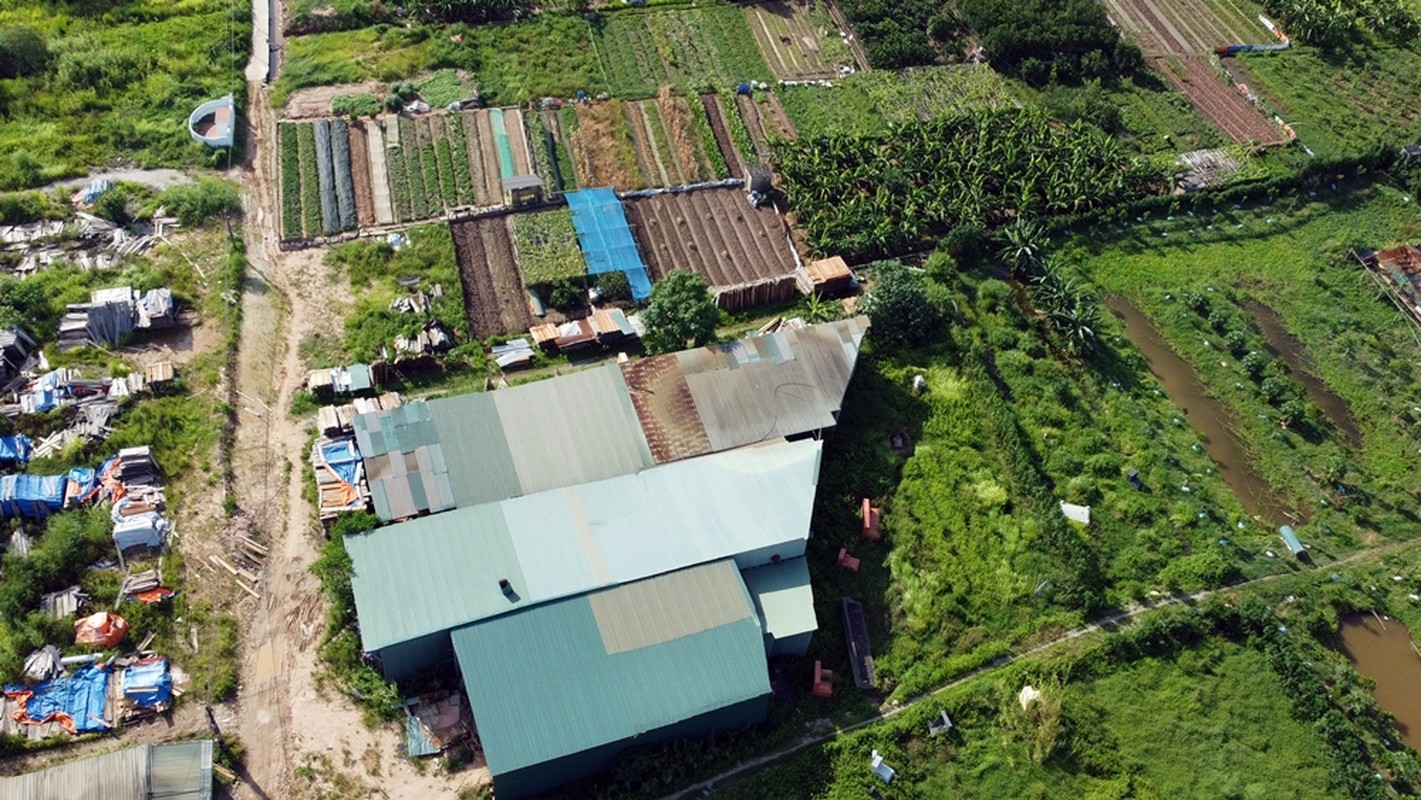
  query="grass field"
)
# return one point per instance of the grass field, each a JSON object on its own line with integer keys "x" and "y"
{"x": 1291, "y": 257}
{"x": 627, "y": 53}
{"x": 120, "y": 82}
{"x": 1339, "y": 104}
{"x": 1210, "y": 722}
{"x": 868, "y": 102}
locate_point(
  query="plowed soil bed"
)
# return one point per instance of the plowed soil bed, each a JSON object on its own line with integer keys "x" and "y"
{"x": 360, "y": 175}
{"x": 1221, "y": 103}
{"x": 712, "y": 231}
{"x": 495, "y": 301}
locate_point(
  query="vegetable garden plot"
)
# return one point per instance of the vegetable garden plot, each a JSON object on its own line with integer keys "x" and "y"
{"x": 712, "y": 231}
{"x": 495, "y": 301}
{"x": 1220, "y": 102}
{"x": 798, "y": 39}
{"x": 639, "y": 144}
{"x": 691, "y": 48}
{"x": 868, "y": 102}
{"x": 1193, "y": 27}
{"x": 547, "y": 247}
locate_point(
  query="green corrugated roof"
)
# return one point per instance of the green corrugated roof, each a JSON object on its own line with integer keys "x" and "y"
{"x": 437, "y": 572}
{"x": 476, "y": 453}
{"x": 542, "y": 683}
{"x": 784, "y": 597}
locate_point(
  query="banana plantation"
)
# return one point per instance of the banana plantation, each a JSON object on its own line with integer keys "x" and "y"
{"x": 871, "y": 196}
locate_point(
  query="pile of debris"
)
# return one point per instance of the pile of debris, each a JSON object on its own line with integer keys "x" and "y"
{"x": 19, "y": 353}
{"x": 435, "y": 722}
{"x": 352, "y": 379}
{"x": 340, "y": 476}
{"x": 512, "y": 354}
{"x": 607, "y": 326}
{"x": 418, "y": 302}
{"x": 112, "y": 314}
{"x": 38, "y": 496}
{"x": 432, "y": 340}
{"x": 335, "y": 420}
{"x": 93, "y": 243}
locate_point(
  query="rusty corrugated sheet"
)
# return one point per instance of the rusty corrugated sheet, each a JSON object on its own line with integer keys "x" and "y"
{"x": 665, "y": 408}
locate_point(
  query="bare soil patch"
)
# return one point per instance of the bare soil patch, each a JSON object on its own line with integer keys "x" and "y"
{"x": 602, "y": 147}
{"x": 360, "y": 176}
{"x": 316, "y": 101}
{"x": 494, "y": 298}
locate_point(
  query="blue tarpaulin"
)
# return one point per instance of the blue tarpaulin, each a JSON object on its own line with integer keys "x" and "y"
{"x": 148, "y": 685}
{"x": 15, "y": 449}
{"x": 342, "y": 458}
{"x": 31, "y": 496}
{"x": 81, "y": 697}
{"x": 606, "y": 238}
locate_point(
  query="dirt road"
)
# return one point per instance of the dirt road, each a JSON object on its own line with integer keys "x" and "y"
{"x": 286, "y": 718}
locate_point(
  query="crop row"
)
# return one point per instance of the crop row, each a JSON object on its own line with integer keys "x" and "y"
{"x": 344, "y": 185}
{"x": 310, "y": 189}
{"x": 290, "y": 182}
{"x": 325, "y": 172}
{"x": 459, "y": 157}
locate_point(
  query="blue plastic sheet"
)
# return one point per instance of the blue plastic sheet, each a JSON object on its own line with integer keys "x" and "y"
{"x": 342, "y": 458}
{"x": 82, "y": 696}
{"x": 15, "y": 448}
{"x": 148, "y": 685}
{"x": 31, "y": 496}
{"x": 606, "y": 238}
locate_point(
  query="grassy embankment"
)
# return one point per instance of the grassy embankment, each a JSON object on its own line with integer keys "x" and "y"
{"x": 115, "y": 83}
{"x": 1190, "y": 275}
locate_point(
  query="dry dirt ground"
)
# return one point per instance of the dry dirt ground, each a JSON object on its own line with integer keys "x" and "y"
{"x": 302, "y": 739}
{"x": 316, "y": 101}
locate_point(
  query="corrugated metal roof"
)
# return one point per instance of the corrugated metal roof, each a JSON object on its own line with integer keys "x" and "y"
{"x": 780, "y": 384}
{"x": 572, "y": 429}
{"x": 182, "y": 771}
{"x": 783, "y": 597}
{"x": 543, "y": 683}
{"x": 146, "y": 772}
{"x": 491, "y": 446}
{"x": 667, "y": 607}
{"x": 434, "y": 573}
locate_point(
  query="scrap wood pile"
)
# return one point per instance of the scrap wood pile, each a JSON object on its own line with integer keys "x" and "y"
{"x": 248, "y": 554}
{"x": 435, "y": 722}
{"x": 340, "y": 476}
{"x": 114, "y": 313}
{"x": 88, "y": 242}
{"x": 335, "y": 420}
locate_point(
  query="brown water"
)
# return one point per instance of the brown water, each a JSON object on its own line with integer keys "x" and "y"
{"x": 1286, "y": 346}
{"x": 1209, "y": 418}
{"x": 1382, "y": 649}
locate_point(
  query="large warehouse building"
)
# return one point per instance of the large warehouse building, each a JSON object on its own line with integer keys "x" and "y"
{"x": 616, "y": 552}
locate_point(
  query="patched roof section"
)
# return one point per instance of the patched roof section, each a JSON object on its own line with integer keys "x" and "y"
{"x": 665, "y": 408}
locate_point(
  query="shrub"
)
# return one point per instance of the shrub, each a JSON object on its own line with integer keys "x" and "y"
{"x": 22, "y": 52}
{"x": 898, "y": 304}
{"x": 355, "y": 105}
{"x": 614, "y": 285}
{"x": 196, "y": 203}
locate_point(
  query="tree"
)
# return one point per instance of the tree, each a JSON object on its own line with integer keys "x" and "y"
{"x": 681, "y": 311}
{"x": 22, "y": 52}
{"x": 899, "y": 307}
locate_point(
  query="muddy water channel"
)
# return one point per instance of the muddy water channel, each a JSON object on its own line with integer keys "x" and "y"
{"x": 1382, "y": 649}
{"x": 1284, "y": 345}
{"x": 1209, "y": 418}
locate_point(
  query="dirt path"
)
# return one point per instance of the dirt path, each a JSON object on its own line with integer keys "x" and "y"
{"x": 746, "y": 768}
{"x": 156, "y": 179}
